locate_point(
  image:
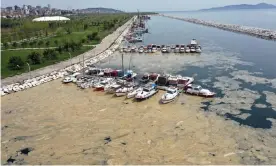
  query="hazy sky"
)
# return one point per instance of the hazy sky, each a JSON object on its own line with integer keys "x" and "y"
{"x": 133, "y": 5}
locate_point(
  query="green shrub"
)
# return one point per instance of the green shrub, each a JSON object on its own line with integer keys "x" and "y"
{"x": 15, "y": 63}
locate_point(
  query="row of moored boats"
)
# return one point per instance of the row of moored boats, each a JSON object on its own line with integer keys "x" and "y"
{"x": 127, "y": 84}
{"x": 152, "y": 48}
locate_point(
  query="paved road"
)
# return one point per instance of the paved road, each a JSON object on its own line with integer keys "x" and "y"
{"x": 104, "y": 45}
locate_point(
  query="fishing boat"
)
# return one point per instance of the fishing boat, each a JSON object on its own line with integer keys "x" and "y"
{"x": 147, "y": 92}
{"x": 164, "y": 50}
{"x": 199, "y": 91}
{"x": 124, "y": 90}
{"x": 177, "y": 49}
{"x": 149, "y": 48}
{"x": 183, "y": 82}
{"x": 141, "y": 49}
{"x": 182, "y": 48}
{"x": 198, "y": 49}
{"x": 158, "y": 47}
{"x": 145, "y": 78}
{"x": 154, "y": 48}
{"x": 100, "y": 85}
{"x": 187, "y": 49}
{"x": 193, "y": 50}
{"x": 153, "y": 77}
{"x": 170, "y": 95}
{"x": 162, "y": 80}
{"x": 172, "y": 80}
{"x": 111, "y": 88}
{"x": 134, "y": 92}
{"x": 70, "y": 78}
{"x": 168, "y": 49}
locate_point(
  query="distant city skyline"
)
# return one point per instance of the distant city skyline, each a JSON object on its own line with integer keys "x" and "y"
{"x": 129, "y": 6}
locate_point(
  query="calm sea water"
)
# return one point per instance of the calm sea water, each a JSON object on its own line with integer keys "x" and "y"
{"x": 224, "y": 45}
{"x": 263, "y": 18}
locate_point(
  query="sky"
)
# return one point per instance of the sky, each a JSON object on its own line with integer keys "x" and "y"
{"x": 133, "y": 5}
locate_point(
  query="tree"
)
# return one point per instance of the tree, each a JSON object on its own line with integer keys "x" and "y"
{"x": 14, "y": 44}
{"x": 34, "y": 42}
{"x": 56, "y": 42}
{"x": 31, "y": 43}
{"x": 94, "y": 34}
{"x": 73, "y": 46}
{"x": 49, "y": 54}
{"x": 66, "y": 46}
{"x": 24, "y": 44}
{"x": 83, "y": 40}
{"x": 97, "y": 38}
{"x": 47, "y": 43}
{"x": 15, "y": 63}
{"x": 6, "y": 45}
{"x": 59, "y": 49}
{"x": 34, "y": 58}
{"x": 85, "y": 26}
{"x": 46, "y": 33}
{"x": 68, "y": 31}
{"x": 40, "y": 43}
{"x": 78, "y": 45}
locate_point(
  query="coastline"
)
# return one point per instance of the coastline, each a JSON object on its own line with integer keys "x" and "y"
{"x": 105, "y": 44}
{"x": 251, "y": 31}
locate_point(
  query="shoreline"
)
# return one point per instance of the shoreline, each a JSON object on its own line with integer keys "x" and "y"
{"x": 251, "y": 31}
{"x": 104, "y": 46}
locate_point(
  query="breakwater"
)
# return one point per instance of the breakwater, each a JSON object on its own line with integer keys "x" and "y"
{"x": 252, "y": 31}
{"x": 53, "y": 72}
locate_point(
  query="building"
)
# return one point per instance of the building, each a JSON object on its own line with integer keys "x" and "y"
{"x": 51, "y": 18}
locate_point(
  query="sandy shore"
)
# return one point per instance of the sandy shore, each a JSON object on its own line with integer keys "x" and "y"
{"x": 66, "y": 125}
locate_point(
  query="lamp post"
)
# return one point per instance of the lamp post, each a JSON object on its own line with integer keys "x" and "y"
{"x": 29, "y": 69}
{"x": 70, "y": 58}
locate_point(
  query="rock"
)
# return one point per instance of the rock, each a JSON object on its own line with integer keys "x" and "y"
{"x": 149, "y": 142}
{"x": 178, "y": 124}
{"x": 261, "y": 157}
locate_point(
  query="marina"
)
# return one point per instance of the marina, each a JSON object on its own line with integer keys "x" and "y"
{"x": 126, "y": 107}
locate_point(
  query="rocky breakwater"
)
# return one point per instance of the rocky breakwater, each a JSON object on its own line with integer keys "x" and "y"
{"x": 252, "y": 31}
{"x": 59, "y": 73}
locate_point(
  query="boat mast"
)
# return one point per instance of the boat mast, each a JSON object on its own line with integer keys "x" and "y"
{"x": 123, "y": 64}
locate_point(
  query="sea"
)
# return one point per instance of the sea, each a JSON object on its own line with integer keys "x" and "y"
{"x": 239, "y": 68}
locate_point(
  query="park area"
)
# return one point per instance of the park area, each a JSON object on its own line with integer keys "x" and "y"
{"x": 44, "y": 43}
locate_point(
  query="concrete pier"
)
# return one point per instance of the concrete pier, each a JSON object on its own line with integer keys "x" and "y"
{"x": 252, "y": 31}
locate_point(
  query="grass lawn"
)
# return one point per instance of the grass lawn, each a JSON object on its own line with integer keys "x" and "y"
{"x": 5, "y": 55}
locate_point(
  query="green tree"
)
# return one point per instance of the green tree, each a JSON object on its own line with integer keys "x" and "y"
{"x": 83, "y": 40}
{"x": 14, "y": 44}
{"x": 34, "y": 42}
{"x": 40, "y": 43}
{"x": 56, "y": 42}
{"x": 85, "y": 26}
{"x": 34, "y": 58}
{"x": 49, "y": 54}
{"x": 6, "y": 45}
{"x": 59, "y": 49}
{"x": 24, "y": 44}
{"x": 15, "y": 63}
{"x": 68, "y": 31}
{"x": 47, "y": 43}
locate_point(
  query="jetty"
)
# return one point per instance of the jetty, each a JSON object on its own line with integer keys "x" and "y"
{"x": 252, "y": 31}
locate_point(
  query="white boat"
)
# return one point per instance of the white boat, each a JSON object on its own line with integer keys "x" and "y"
{"x": 177, "y": 49}
{"x": 182, "y": 49}
{"x": 111, "y": 88}
{"x": 164, "y": 50}
{"x": 124, "y": 90}
{"x": 134, "y": 92}
{"x": 170, "y": 95}
{"x": 199, "y": 91}
{"x": 187, "y": 50}
{"x": 141, "y": 50}
{"x": 193, "y": 42}
{"x": 193, "y": 49}
{"x": 173, "y": 80}
{"x": 154, "y": 48}
{"x": 147, "y": 92}
{"x": 183, "y": 82}
{"x": 71, "y": 78}
{"x": 198, "y": 49}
